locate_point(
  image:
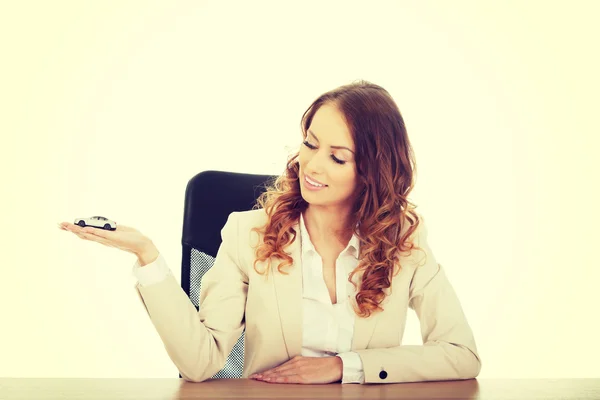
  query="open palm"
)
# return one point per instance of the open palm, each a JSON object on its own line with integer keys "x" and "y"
{"x": 124, "y": 237}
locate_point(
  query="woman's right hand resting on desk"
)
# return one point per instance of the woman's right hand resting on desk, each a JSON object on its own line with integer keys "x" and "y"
{"x": 124, "y": 238}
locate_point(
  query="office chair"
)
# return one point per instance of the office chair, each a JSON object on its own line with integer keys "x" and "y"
{"x": 210, "y": 197}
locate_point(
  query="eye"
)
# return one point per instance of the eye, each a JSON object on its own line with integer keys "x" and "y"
{"x": 310, "y": 146}
{"x": 337, "y": 160}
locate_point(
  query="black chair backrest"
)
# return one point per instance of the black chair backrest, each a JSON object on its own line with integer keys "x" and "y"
{"x": 210, "y": 197}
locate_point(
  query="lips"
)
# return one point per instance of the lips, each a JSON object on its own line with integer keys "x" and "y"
{"x": 314, "y": 180}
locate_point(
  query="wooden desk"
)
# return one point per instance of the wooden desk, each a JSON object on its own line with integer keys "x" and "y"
{"x": 146, "y": 389}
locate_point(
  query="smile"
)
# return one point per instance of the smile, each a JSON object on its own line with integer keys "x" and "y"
{"x": 310, "y": 184}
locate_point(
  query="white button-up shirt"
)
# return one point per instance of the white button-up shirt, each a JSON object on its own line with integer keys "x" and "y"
{"x": 327, "y": 328}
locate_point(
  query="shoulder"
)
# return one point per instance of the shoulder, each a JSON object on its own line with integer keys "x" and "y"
{"x": 251, "y": 218}
{"x": 245, "y": 221}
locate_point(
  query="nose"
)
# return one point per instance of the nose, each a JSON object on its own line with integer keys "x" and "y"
{"x": 315, "y": 163}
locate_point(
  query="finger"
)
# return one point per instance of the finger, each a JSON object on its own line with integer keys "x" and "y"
{"x": 280, "y": 374}
{"x": 79, "y": 230}
{"x": 83, "y": 235}
{"x": 65, "y": 226}
{"x": 286, "y": 366}
{"x": 97, "y": 232}
{"x": 287, "y": 372}
{"x": 268, "y": 372}
{"x": 94, "y": 238}
{"x": 284, "y": 379}
{"x": 280, "y": 371}
{"x": 71, "y": 227}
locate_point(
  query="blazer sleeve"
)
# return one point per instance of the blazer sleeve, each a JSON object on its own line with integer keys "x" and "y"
{"x": 448, "y": 351}
{"x": 199, "y": 342}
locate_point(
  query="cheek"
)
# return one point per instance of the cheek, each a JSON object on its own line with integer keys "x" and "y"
{"x": 303, "y": 159}
{"x": 344, "y": 180}
{"x": 301, "y": 156}
{"x": 301, "y": 163}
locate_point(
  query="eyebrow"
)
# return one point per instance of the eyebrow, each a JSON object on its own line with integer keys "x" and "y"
{"x": 333, "y": 147}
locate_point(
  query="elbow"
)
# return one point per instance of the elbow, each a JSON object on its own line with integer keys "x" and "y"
{"x": 195, "y": 379}
{"x": 472, "y": 365}
{"x": 465, "y": 363}
{"x": 193, "y": 367}
{"x": 189, "y": 376}
{"x": 200, "y": 373}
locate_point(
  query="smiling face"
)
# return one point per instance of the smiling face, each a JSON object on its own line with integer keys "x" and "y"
{"x": 327, "y": 156}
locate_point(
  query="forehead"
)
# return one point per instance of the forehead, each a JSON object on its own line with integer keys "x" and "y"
{"x": 329, "y": 126}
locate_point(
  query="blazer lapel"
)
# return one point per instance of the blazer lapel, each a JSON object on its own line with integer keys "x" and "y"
{"x": 288, "y": 289}
{"x": 363, "y": 328}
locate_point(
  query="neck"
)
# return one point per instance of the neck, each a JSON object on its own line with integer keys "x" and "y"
{"x": 325, "y": 225}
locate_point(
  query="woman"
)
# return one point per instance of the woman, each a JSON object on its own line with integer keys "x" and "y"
{"x": 321, "y": 272}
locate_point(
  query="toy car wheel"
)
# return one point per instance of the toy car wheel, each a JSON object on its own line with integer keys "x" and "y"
{"x": 81, "y": 224}
{"x": 107, "y": 226}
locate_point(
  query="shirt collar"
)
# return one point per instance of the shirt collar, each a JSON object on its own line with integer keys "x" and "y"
{"x": 306, "y": 244}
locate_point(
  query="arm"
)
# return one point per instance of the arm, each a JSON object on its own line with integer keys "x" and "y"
{"x": 448, "y": 351}
{"x": 198, "y": 342}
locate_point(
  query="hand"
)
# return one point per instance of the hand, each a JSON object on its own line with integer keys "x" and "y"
{"x": 307, "y": 370}
{"x": 123, "y": 238}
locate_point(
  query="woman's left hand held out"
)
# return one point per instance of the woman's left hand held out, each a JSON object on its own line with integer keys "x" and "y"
{"x": 306, "y": 370}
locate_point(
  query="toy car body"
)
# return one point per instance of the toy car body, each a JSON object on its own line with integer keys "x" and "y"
{"x": 97, "y": 222}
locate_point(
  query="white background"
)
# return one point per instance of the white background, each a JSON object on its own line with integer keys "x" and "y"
{"x": 110, "y": 107}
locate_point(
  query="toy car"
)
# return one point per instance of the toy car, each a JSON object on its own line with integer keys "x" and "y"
{"x": 97, "y": 222}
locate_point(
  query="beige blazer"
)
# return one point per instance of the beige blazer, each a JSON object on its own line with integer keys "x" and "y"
{"x": 234, "y": 296}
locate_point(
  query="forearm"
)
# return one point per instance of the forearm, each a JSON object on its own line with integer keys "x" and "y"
{"x": 432, "y": 361}
{"x": 188, "y": 342}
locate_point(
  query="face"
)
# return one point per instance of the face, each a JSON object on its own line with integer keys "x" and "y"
{"x": 327, "y": 156}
